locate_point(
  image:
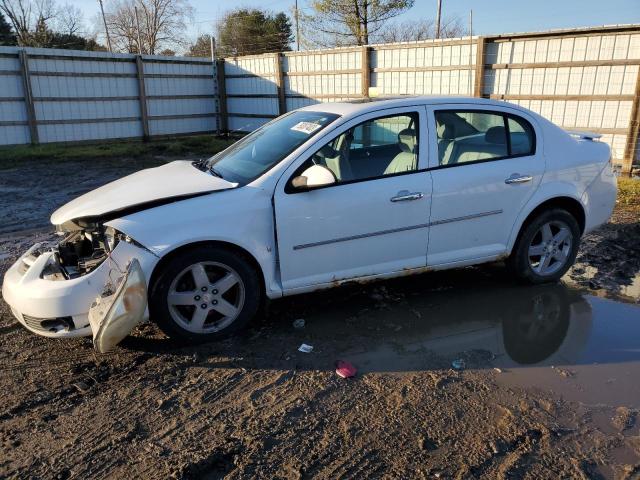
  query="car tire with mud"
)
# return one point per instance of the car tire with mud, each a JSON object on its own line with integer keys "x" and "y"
{"x": 204, "y": 294}
{"x": 546, "y": 247}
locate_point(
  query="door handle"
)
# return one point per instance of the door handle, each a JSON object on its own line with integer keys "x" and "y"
{"x": 517, "y": 178}
{"x": 405, "y": 196}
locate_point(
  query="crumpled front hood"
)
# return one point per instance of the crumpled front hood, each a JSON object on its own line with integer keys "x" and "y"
{"x": 146, "y": 187}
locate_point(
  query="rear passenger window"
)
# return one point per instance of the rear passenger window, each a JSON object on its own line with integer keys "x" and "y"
{"x": 471, "y": 136}
{"x": 521, "y": 135}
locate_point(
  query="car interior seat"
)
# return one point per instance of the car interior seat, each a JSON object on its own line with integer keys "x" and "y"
{"x": 446, "y": 142}
{"x": 339, "y": 163}
{"x": 406, "y": 159}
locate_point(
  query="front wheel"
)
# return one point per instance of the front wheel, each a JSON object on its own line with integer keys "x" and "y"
{"x": 546, "y": 248}
{"x": 204, "y": 294}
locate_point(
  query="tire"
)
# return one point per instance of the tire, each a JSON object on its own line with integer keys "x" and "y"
{"x": 204, "y": 294}
{"x": 524, "y": 261}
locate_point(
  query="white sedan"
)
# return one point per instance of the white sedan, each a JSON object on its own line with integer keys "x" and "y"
{"x": 323, "y": 195}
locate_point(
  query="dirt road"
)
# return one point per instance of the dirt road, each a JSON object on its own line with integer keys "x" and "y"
{"x": 548, "y": 389}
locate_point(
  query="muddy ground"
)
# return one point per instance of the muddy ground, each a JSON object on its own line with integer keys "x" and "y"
{"x": 548, "y": 387}
{"x": 28, "y": 195}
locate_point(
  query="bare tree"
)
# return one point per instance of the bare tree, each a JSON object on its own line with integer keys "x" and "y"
{"x": 69, "y": 20}
{"x": 349, "y": 22}
{"x": 453, "y": 27}
{"x": 163, "y": 24}
{"x": 26, "y": 16}
{"x": 416, "y": 30}
{"x": 121, "y": 21}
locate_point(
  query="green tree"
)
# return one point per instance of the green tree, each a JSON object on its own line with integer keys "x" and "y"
{"x": 42, "y": 36}
{"x": 349, "y": 22}
{"x": 7, "y": 36}
{"x": 201, "y": 47}
{"x": 251, "y": 31}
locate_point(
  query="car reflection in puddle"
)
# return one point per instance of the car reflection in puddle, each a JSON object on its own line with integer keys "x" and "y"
{"x": 550, "y": 336}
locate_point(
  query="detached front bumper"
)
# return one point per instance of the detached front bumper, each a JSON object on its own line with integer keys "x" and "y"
{"x": 60, "y": 308}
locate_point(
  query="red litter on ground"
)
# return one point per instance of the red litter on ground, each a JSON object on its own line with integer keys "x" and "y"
{"x": 345, "y": 369}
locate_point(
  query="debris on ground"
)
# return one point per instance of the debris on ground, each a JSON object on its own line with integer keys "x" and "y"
{"x": 458, "y": 364}
{"x": 82, "y": 387}
{"x": 299, "y": 323}
{"x": 345, "y": 369}
{"x": 304, "y": 348}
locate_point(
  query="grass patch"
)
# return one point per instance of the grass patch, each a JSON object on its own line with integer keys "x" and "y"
{"x": 193, "y": 146}
{"x": 628, "y": 202}
{"x": 629, "y": 191}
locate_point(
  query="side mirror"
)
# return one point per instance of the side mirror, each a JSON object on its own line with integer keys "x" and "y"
{"x": 314, "y": 176}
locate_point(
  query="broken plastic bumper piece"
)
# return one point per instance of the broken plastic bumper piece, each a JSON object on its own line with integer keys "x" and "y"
{"x": 119, "y": 309}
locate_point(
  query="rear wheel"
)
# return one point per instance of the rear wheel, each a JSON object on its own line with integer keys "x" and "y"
{"x": 546, "y": 247}
{"x": 204, "y": 294}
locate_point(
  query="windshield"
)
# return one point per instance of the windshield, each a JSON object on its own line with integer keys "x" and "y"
{"x": 256, "y": 153}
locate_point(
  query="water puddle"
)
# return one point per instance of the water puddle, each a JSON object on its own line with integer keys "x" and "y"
{"x": 552, "y": 337}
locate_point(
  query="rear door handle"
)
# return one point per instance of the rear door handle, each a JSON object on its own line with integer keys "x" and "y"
{"x": 517, "y": 178}
{"x": 406, "y": 195}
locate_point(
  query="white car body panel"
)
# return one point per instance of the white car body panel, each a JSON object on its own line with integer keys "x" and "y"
{"x": 172, "y": 180}
{"x": 242, "y": 217}
{"x": 472, "y": 209}
{"x": 322, "y": 238}
{"x": 318, "y": 240}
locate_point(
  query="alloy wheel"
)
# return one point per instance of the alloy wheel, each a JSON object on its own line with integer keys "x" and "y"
{"x": 550, "y": 248}
{"x": 206, "y": 297}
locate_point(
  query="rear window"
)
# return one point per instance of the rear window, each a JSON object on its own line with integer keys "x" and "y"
{"x": 467, "y": 136}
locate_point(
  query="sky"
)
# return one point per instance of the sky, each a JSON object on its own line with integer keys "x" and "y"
{"x": 489, "y": 16}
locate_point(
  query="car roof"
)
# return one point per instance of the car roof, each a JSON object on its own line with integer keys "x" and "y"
{"x": 376, "y": 103}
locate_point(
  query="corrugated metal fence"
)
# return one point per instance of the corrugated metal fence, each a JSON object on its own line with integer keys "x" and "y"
{"x": 64, "y": 96}
{"x": 581, "y": 79}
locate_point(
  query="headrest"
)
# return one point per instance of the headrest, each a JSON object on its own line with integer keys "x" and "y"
{"x": 407, "y": 140}
{"x": 448, "y": 131}
{"x": 496, "y": 135}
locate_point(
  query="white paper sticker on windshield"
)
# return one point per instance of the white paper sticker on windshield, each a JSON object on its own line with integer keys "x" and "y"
{"x": 305, "y": 127}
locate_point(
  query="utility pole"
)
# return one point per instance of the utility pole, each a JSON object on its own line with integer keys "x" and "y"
{"x": 138, "y": 28}
{"x": 438, "y": 18}
{"x": 297, "y": 27}
{"x": 106, "y": 29}
{"x": 470, "y": 48}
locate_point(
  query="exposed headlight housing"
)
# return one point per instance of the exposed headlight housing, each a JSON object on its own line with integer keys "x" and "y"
{"x": 111, "y": 238}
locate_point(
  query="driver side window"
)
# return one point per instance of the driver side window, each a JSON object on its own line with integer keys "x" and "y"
{"x": 375, "y": 148}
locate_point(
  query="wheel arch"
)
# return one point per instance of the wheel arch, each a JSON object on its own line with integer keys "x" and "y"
{"x": 565, "y": 202}
{"x": 168, "y": 256}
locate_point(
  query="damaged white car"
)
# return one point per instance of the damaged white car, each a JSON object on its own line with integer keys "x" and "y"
{"x": 327, "y": 194}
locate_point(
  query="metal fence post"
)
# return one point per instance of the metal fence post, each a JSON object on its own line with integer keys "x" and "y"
{"x": 279, "y": 75}
{"x": 143, "y": 97}
{"x": 366, "y": 71}
{"x": 222, "y": 96}
{"x": 478, "y": 85}
{"x": 28, "y": 97}
{"x": 633, "y": 136}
